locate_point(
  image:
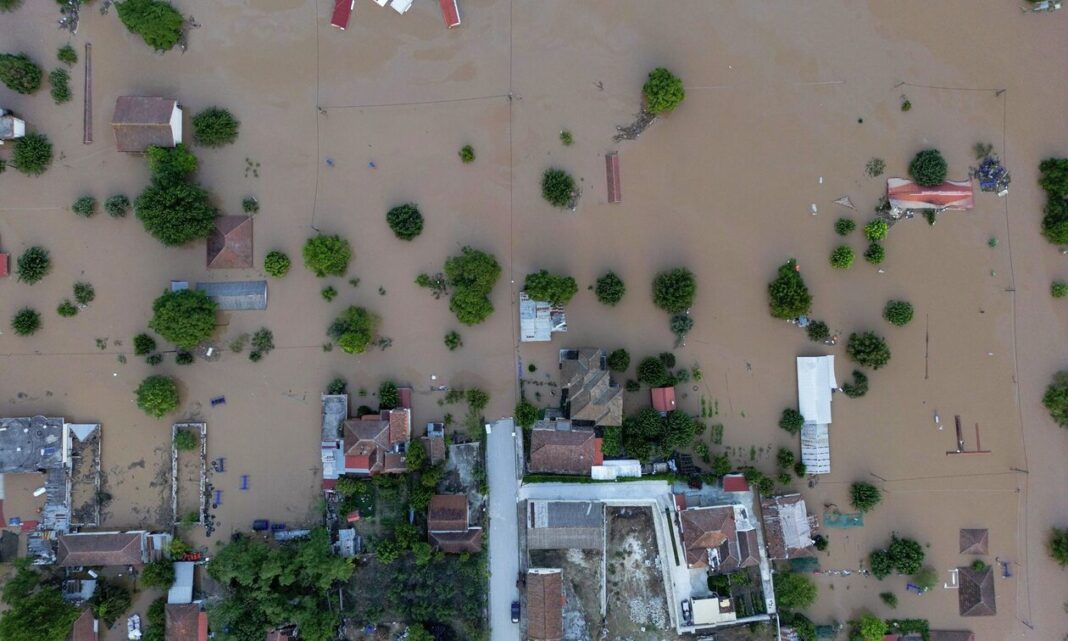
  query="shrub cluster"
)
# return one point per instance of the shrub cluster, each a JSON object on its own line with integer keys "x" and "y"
{"x": 117, "y": 206}
{"x": 59, "y": 79}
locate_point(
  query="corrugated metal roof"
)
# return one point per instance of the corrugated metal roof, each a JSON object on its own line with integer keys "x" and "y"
{"x": 816, "y": 449}
{"x": 237, "y": 295}
{"x": 815, "y": 380}
{"x": 182, "y": 589}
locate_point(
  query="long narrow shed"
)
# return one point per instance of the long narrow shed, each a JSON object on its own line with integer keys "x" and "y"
{"x": 815, "y": 380}
{"x": 237, "y": 295}
{"x": 611, "y": 167}
{"x": 450, "y": 12}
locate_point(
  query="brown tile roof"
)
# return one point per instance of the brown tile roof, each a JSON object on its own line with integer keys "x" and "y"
{"x": 230, "y": 243}
{"x": 400, "y": 426}
{"x": 974, "y": 541}
{"x": 435, "y": 448}
{"x": 976, "y": 592}
{"x": 140, "y": 122}
{"x": 705, "y": 529}
{"x": 183, "y": 622}
{"x": 593, "y": 397}
{"x": 287, "y": 633}
{"x": 393, "y": 462}
{"x": 458, "y": 542}
{"x": 447, "y": 513}
{"x": 545, "y": 605}
{"x": 555, "y": 451}
{"x": 105, "y": 549}
{"x": 85, "y": 627}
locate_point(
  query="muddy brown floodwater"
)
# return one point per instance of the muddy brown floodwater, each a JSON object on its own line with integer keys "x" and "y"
{"x": 785, "y": 104}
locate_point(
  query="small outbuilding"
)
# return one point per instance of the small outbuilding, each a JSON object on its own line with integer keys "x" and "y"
{"x": 342, "y": 12}
{"x": 181, "y": 591}
{"x": 141, "y": 122}
{"x": 450, "y": 12}
{"x": 906, "y": 194}
{"x": 974, "y": 541}
{"x": 611, "y": 167}
{"x": 11, "y": 127}
{"x": 663, "y": 399}
{"x": 230, "y": 243}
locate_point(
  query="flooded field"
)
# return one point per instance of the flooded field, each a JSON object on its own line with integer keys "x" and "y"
{"x": 785, "y": 104}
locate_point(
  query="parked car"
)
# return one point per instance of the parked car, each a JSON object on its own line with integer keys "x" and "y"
{"x": 687, "y": 613}
{"x": 515, "y": 611}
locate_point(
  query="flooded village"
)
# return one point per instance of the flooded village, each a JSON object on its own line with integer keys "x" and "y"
{"x": 486, "y": 319}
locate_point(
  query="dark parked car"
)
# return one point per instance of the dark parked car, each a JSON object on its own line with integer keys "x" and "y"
{"x": 515, "y": 611}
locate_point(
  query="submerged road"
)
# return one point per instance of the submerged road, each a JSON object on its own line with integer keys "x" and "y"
{"x": 502, "y": 475}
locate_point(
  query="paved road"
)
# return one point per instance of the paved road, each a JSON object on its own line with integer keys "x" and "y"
{"x": 504, "y": 529}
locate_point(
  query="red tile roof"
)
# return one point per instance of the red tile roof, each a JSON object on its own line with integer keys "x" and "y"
{"x": 184, "y": 622}
{"x": 104, "y": 549}
{"x": 230, "y": 243}
{"x": 611, "y": 163}
{"x": 4, "y": 260}
{"x": 85, "y": 627}
{"x": 457, "y": 542}
{"x": 404, "y": 396}
{"x": 663, "y": 399}
{"x": 435, "y": 448}
{"x": 545, "y": 605}
{"x": 564, "y": 451}
{"x": 447, "y": 513}
{"x": 735, "y": 483}
{"x": 400, "y": 426}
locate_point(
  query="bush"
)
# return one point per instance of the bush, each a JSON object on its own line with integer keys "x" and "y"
{"x": 405, "y": 221}
{"x": 652, "y": 372}
{"x": 276, "y": 264}
{"x": 184, "y": 317}
{"x": 1058, "y": 546}
{"x": 59, "y": 79}
{"x": 33, "y": 265}
{"x": 875, "y": 167}
{"x": 84, "y": 206}
{"x": 1056, "y": 398}
{"x": 820, "y": 542}
{"x": 9, "y": 5}
{"x": 117, "y": 206}
{"x": 327, "y": 255}
{"x": 881, "y": 565}
{"x": 632, "y": 385}
{"x": 67, "y": 55}
{"x": 182, "y": 357}
{"x": 898, "y": 312}
{"x": 859, "y": 386}
{"x": 843, "y": 226}
{"x": 610, "y": 289}
{"x": 26, "y": 321}
{"x": 864, "y": 496}
{"x": 32, "y": 154}
{"x": 472, "y": 276}
{"x": 1058, "y": 289}
{"x": 550, "y": 288}
{"x": 889, "y": 598}
{"x": 558, "y": 187}
{"x": 784, "y": 458}
{"x": 842, "y": 257}
{"x": 336, "y": 386}
{"x": 1055, "y": 221}
{"x": 109, "y": 601}
{"x": 157, "y": 396}
{"x": 67, "y": 309}
{"x": 144, "y": 344}
{"x": 467, "y": 154}
{"x": 868, "y": 349}
{"x": 214, "y": 127}
{"x": 674, "y": 291}
{"x": 668, "y": 359}
{"x": 788, "y": 296}
{"x": 185, "y": 440}
{"x": 876, "y": 230}
{"x": 791, "y": 420}
{"x": 84, "y": 293}
{"x": 353, "y": 330}
{"x": 663, "y": 91}
{"x": 19, "y": 73}
{"x": 800, "y": 469}
{"x": 926, "y": 578}
{"x": 525, "y": 414}
{"x": 453, "y": 341}
{"x": 250, "y": 205}
{"x": 875, "y": 254}
{"x": 175, "y": 213}
{"x": 566, "y": 138}
{"x": 928, "y": 168}
{"x": 388, "y": 396}
{"x": 681, "y": 324}
{"x": 170, "y": 164}
{"x": 262, "y": 343}
{"x": 154, "y": 359}
{"x": 160, "y": 573}
{"x": 818, "y": 331}
{"x": 158, "y": 23}
{"x": 329, "y": 293}
{"x": 619, "y": 360}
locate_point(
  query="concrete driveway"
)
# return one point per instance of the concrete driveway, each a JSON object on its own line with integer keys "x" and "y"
{"x": 502, "y": 474}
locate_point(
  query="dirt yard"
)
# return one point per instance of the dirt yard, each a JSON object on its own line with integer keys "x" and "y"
{"x": 85, "y": 480}
{"x": 189, "y": 499}
{"x": 637, "y": 605}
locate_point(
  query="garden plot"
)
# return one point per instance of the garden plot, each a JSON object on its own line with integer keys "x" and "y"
{"x": 189, "y": 454}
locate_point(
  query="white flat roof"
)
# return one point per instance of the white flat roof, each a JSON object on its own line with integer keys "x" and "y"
{"x": 815, "y": 380}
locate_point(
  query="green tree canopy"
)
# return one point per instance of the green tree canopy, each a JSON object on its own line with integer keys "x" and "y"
{"x": 327, "y": 255}
{"x": 184, "y": 317}
{"x": 663, "y": 91}
{"x": 214, "y": 127}
{"x": 525, "y": 414}
{"x": 276, "y": 263}
{"x": 472, "y": 276}
{"x": 871, "y": 627}
{"x": 175, "y": 213}
{"x": 550, "y": 288}
{"x": 791, "y": 420}
{"x": 842, "y": 257}
{"x": 674, "y": 290}
{"x": 35, "y": 611}
{"x": 1053, "y": 177}
{"x": 158, "y": 23}
{"x": 405, "y": 221}
{"x": 618, "y": 360}
{"x": 788, "y": 296}
{"x": 1058, "y": 546}
{"x": 557, "y": 187}
{"x": 794, "y": 591}
{"x": 928, "y": 168}
{"x": 868, "y": 349}
{"x": 354, "y": 329}
{"x": 610, "y": 289}
{"x": 20, "y": 73}
{"x": 157, "y": 396}
{"x": 26, "y": 321}
{"x": 170, "y": 164}
{"x": 906, "y": 555}
{"x": 653, "y": 372}
{"x": 1056, "y": 398}
{"x": 898, "y": 312}
{"x": 32, "y": 154}
{"x": 864, "y": 496}
{"x": 388, "y": 395}
{"x": 33, "y": 265}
